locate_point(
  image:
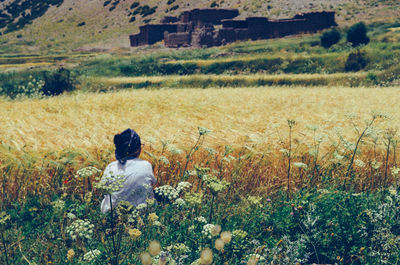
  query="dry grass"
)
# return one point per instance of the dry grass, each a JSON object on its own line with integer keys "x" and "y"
{"x": 23, "y": 65}
{"x": 235, "y": 116}
{"x": 253, "y": 77}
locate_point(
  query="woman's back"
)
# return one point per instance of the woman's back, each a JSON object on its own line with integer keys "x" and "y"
{"x": 137, "y": 187}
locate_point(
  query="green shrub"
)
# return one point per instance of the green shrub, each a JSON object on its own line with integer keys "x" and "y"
{"x": 329, "y": 38}
{"x": 356, "y": 61}
{"x": 56, "y": 83}
{"x": 134, "y": 5}
{"x": 214, "y": 4}
{"x": 18, "y": 85}
{"x": 357, "y": 34}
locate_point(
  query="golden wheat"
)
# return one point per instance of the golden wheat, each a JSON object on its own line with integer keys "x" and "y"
{"x": 235, "y": 116}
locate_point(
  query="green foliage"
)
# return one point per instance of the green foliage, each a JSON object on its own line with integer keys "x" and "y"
{"x": 134, "y": 5}
{"x": 16, "y": 85}
{"x": 357, "y": 34}
{"x": 329, "y": 38}
{"x": 318, "y": 225}
{"x": 58, "y": 82}
{"x": 356, "y": 61}
{"x": 214, "y": 4}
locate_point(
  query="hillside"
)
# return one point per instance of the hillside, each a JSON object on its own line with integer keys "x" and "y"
{"x": 71, "y": 24}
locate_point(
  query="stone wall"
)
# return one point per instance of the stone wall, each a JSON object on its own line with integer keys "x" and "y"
{"x": 178, "y": 39}
{"x": 196, "y": 28}
{"x": 204, "y": 37}
{"x": 151, "y": 33}
{"x": 208, "y": 15}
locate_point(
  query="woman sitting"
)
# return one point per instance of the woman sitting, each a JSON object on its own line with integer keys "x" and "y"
{"x": 138, "y": 174}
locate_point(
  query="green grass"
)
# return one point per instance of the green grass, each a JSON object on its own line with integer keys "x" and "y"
{"x": 298, "y": 60}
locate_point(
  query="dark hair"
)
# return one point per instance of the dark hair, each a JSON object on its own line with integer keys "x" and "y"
{"x": 127, "y": 145}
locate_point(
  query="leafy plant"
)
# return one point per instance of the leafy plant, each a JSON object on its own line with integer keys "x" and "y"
{"x": 329, "y": 38}
{"x": 357, "y": 34}
{"x": 58, "y": 82}
{"x": 356, "y": 61}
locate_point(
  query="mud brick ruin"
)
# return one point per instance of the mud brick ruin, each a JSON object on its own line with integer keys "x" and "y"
{"x": 214, "y": 27}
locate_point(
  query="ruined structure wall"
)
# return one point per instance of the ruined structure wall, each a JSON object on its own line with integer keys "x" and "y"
{"x": 214, "y": 16}
{"x": 238, "y": 24}
{"x": 318, "y": 20}
{"x": 288, "y": 27}
{"x": 179, "y": 39}
{"x": 150, "y": 34}
{"x": 258, "y": 28}
{"x": 155, "y": 33}
{"x": 138, "y": 40}
{"x": 169, "y": 19}
{"x": 196, "y": 28}
{"x": 204, "y": 37}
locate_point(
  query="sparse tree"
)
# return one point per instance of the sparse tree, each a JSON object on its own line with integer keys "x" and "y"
{"x": 357, "y": 34}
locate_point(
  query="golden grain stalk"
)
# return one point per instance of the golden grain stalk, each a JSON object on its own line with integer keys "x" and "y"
{"x": 235, "y": 116}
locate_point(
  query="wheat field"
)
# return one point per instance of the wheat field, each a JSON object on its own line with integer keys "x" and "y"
{"x": 236, "y": 116}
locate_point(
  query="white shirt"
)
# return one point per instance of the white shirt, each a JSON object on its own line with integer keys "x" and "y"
{"x": 139, "y": 179}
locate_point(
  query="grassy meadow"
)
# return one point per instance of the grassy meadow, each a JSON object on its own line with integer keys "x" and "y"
{"x": 265, "y": 152}
{"x": 280, "y": 170}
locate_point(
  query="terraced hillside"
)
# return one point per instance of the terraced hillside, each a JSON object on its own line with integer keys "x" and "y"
{"x": 103, "y": 24}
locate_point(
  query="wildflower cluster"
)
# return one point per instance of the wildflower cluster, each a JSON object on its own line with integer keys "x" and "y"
{"x": 203, "y": 131}
{"x": 254, "y": 259}
{"x": 207, "y": 230}
{"x": 70, "y": 254}
{"x": 141, "y": 206}
{"x": 153, "y": 217}
{"x": 174, "y": 150}
{"x": 201, "y": 219}
{"x": 81, "y": 229}
{"x": 178, "y": 249}
{"x": 254, "y": 201}
{"x": 180, "y": 203}
{"x": 87, "y": 172}
{"x": 58, "y": 205}
{"x": 110, "y": 183}
{"x": 166, "y": 192}
{"x": 183, "y": 186}
{"x": 170, "y": 193}
{"x": 163, "y": 258}
{"x": 193, "y": 198}
{"x": 32, "y": 89}
{"x": 215, "y": 185}
{"x": 91, "y": 255}
{"x": 239, "y": 234}
{"x": 4, "y": 218}
{"x": 300, "y": 165}
{"x": 210, "y": 230}
{"x": 124, "y": 208}
{"x": 134, "y": 233}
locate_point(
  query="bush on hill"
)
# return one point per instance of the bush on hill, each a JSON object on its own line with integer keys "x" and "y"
{"x": 357, "y": 34}
{"x": 356, "y": 61}
{"x": 329, "y": 38}
{"x": 56, "y": 83}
